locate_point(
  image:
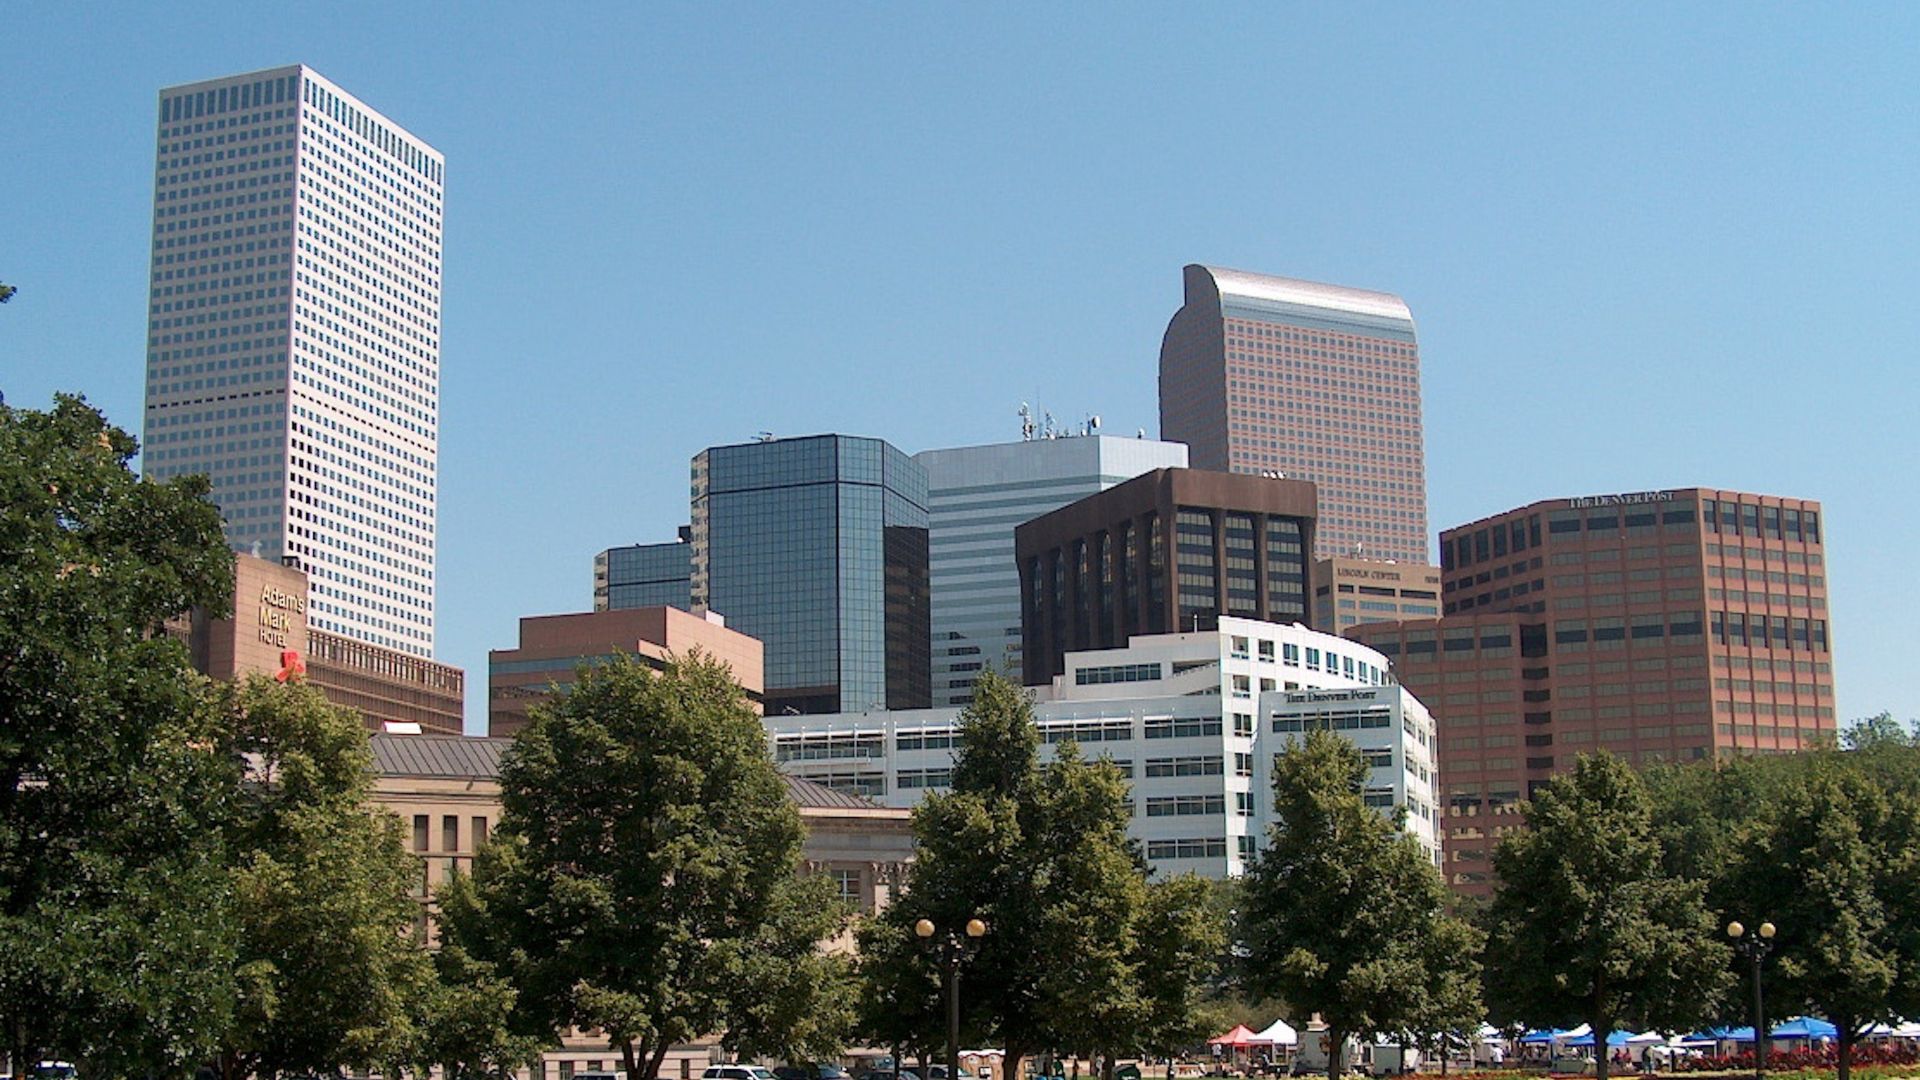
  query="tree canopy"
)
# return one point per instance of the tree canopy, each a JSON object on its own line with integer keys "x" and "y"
{"x": 1343, "y": 913}
{"x": 110, "y": 789}
{"x": 1588, "y": 925}
{"x": 643, "y": 881}
{"x": 1082, "y": 952}
{"x": 328, "y": 971}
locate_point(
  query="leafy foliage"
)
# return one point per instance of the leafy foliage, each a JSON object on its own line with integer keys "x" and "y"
{"x": 1082, "y": 953}
{"x": 328, "y": 973}
{"x": 1588, "y": 924}
{"x": 111, "y": 886}
{"x": 1344, "y": 914}
{"x": 642, "y": 881}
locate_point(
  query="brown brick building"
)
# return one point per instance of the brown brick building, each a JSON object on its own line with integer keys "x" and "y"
{"x": 552, "y": 646}
{"x": 1172, "y": 549}
{"x": 1671, "y": 625}
{"x": 1272, "y": 375}
{"x": 385, "y": 686}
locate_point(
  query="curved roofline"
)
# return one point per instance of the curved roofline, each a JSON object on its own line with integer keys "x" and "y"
{"x": 1230, "y": 282}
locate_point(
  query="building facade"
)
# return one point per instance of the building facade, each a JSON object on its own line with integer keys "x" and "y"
{"x": 976, "y": 496}
{"x": 271, "y": 607}
{"x": 817, "y": 546}
{"x": 446, "y": 792}
{"x": 1193, "y": 720}
{"x": 645, "y": 575}
{"x": 1675, "y": 625}
{"x": 1269, "y": 375}
{"x": 1172, "y": 549}
{"x": 1348, "y": 592}
{"x": 293, "y": 346}
{"x": 553, "y": 647}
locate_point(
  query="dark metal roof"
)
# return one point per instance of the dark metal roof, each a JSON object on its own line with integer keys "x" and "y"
{"x": 462, "y": 757}
{"x": 807, "y": 794}
{"x": 456, "y": 757}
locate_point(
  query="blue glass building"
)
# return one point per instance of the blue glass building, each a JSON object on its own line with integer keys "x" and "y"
{"x": 818, "y": 547}
{"x": 645, "y": 575}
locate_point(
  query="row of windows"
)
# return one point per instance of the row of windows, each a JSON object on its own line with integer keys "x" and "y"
{"x": 1116, "y": 673}
{"x": 1343, "y": 720}
{"x": 1212, "y": 847}
{"x": 1086, "y": 730}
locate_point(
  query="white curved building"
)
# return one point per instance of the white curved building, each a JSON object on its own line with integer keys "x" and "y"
{"x": 1194, "y": 719}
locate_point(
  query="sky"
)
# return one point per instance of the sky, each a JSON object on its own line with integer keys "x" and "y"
{"x": 1646, "y": 246}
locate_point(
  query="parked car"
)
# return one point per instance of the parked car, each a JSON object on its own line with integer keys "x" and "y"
{"x": 736, "y": 1072}
{"x": 818, "y": 1070}
{"x": 888, "y": 1074}
{"x": 939, "y": 1072}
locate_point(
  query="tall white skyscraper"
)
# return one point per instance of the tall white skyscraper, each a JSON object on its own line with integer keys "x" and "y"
{"x": 976, "y": 495}
{"x": 293, "y": 343}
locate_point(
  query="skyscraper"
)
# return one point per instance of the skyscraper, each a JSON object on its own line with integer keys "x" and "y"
{"x": 976, "y": 495}
{"x": 1170, "y": 550}
{"x": 293, "y": 346}
{"x": 818, "y": 547}
{"x": 1675, "y": 625}
{"x": 1315, "y": 382}
{"x": 645, "y": 575}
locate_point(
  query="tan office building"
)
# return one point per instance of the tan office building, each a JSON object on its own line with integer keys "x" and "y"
{"x": 269, "y": 621}
{"x": 553, "y": 646}
{"x": 1348, "y": 592}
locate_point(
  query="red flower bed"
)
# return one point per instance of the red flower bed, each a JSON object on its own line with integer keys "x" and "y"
{"x": 1825, "y": 1056}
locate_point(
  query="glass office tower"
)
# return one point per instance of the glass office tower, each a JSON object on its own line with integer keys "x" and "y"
{"x": 818, "y": 547}
{"x": 645, "y": 575}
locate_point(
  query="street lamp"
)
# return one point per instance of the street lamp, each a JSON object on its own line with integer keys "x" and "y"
{"x": 955, "y": 949}
{"x": 1755, "y": 947}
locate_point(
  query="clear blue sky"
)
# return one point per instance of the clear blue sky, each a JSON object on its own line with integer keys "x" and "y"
{"x": 1646, "y": 245}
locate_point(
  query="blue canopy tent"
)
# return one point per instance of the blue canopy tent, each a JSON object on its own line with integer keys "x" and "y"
{"x": 1804, "y": 1027}
{"x": 1543, "y": 1036}
{"x": 1800, "y": 1027}
{"x": 1617, "y": 1038}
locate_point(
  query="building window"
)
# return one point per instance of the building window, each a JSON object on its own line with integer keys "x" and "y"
{"x": 450, "y": 833}
{"x": 420, "y": 827}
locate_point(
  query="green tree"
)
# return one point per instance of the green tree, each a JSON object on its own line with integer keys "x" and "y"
{"x": 113, "y": 942}
{"x": 1182, "y": 940}
{"x": 1343, "y": 912}
{"x": 6, "y": 292}
{"x": 328, "y": 973}
{"x": 1587, "y": 925}
{"x": 1081, "y": 952}
{"x": 1831, "y": 866}
{"x": 467, "y": 1029}
{"x": 646, "y": 850}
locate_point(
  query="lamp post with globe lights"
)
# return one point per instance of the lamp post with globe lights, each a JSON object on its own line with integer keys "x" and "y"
{"x": 1755, "y": 947}
{"x": 954, "y": 948}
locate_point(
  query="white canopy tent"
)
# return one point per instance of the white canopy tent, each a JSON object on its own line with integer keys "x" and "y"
{"x": 1278, "y": 1033}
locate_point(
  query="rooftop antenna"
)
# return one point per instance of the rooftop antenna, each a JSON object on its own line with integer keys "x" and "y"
{"x": 1026, "y": 422}
{"x": 764, "y": 436}
{"x": 1139, "y": 433}
{"x": 1047, "y": 430}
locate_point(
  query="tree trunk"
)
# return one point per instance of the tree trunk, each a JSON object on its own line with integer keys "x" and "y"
{"x": 1106, "y": 1068}
{"x": 630, "y": 1059}
{"x": 1846, "y": 1036}
{"x": 1336, "y": 1049}
{"x": 1602, "y": 1027}
{"x": 659, "y": 1055}
{"x": 1010, "y": 1063}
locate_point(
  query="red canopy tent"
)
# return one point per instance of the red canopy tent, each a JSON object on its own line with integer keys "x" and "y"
{"x": 1239, "y": 1038}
